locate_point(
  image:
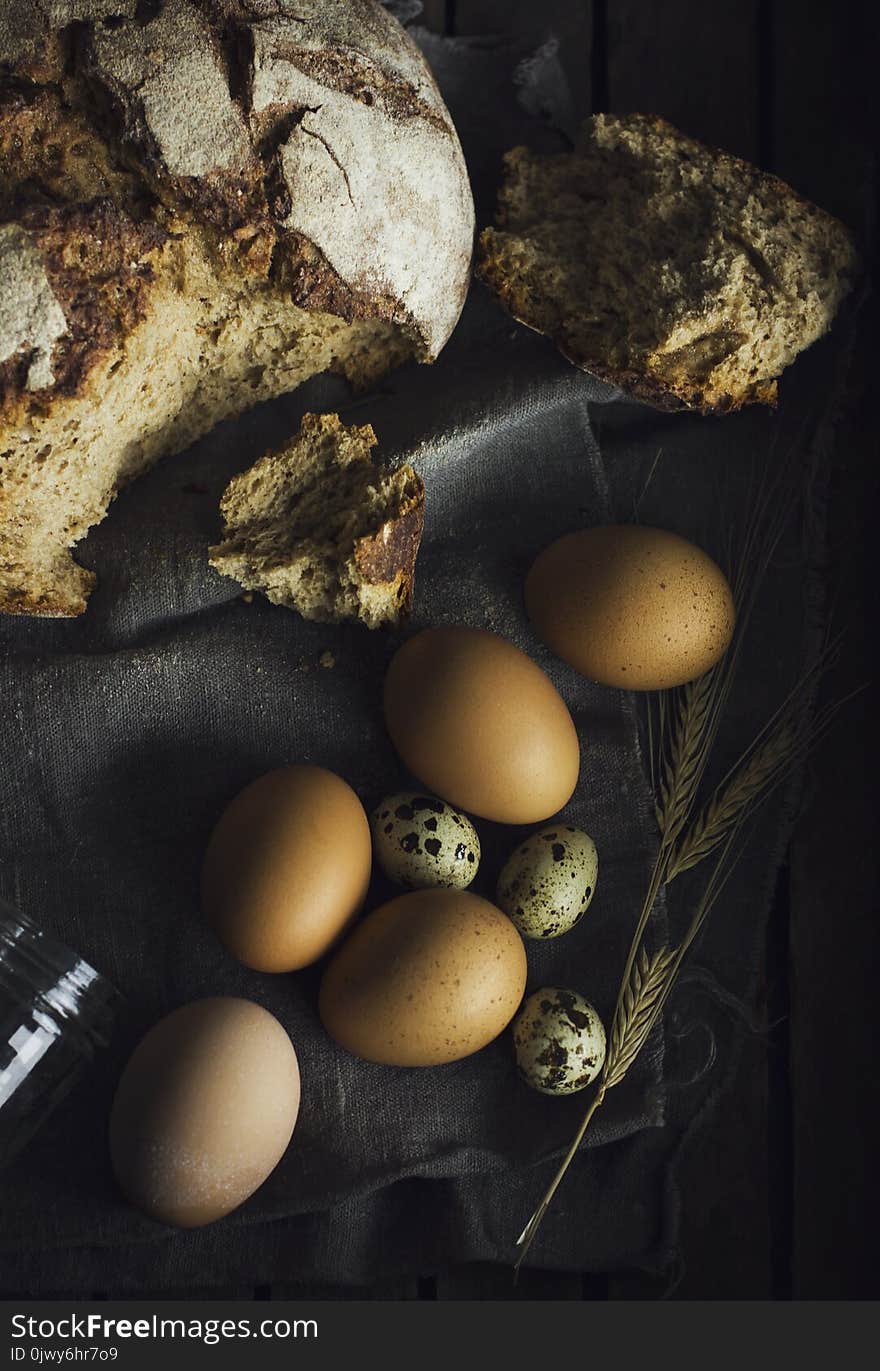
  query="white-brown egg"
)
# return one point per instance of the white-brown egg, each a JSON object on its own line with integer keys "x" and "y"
{"x": 480, "y": 724}
{"x": 204, "y": 1110}
{"x": 631, "y": 606}
{"x": 427, "y": 978}
{"x": 287, "y": 867}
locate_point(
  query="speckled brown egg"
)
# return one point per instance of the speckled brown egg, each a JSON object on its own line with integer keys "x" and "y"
{"x": 427, "y": 978}
{"x": 480, "y": 724}
{"x": 420, "y": 840}
{"x": 204, "y": 1111}
{"x": 548, "y": 882}
{"x": 559, "y": 1041}
{"x": 287, "y": 868}
{"x": 630, "y": 606}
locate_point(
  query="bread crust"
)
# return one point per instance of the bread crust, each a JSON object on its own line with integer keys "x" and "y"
{"x": 387, "y": 559}
{"x": 50, "y": 606}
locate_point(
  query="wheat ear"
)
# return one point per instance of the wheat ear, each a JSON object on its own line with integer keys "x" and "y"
{"x": 685, "y": 755}
{"x": 768, "y": 760}
{"x": 634, "y": 1016}
{"x": 730, "y": 802}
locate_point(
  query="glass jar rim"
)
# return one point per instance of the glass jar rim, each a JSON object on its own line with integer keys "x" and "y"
{"x": 41, "y": 969}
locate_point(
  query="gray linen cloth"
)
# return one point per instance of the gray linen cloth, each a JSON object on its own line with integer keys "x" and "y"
{"x": 126, "y": 732}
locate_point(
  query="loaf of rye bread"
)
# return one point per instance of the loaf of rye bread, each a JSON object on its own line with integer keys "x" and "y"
{"x": 684, "y": 275}
{"x": 202, "y": 203}
{"x": 325, "y": 528}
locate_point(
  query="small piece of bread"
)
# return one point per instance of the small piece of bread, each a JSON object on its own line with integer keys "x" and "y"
{"x": 324, "y": 528}
{"x": 686, "y": 276}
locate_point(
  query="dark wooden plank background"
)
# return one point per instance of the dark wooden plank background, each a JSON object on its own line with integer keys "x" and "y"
{"x": 789, "y": 84}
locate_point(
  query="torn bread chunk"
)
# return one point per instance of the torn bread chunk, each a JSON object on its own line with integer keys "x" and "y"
{"x": 324, "y": 528}
{"x": 686, "y": 276}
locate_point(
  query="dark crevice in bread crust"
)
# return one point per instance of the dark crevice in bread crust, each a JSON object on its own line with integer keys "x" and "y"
{"x": 301, "y": 270}
{"x": 97, "y": 261}
{"x": 331, "y": 71}
{"x": 233, "y": 40}
{"x": 48, "y": 149}
{"x": 146, "y": 10}
{"x": 231, "y": 201}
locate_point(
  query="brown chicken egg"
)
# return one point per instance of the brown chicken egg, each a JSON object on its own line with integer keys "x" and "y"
{"x": 287, "y": 867}
{"x": 204, "y": 1111}
{"x": 481, "y": 725}
{"x": 630, "y": 606}
{"x": 427, "y": 978}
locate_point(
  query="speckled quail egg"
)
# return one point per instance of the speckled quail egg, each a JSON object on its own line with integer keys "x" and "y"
{"x": 422, "y": 841}
{"x": 559, "y": 1041}
{"x": 547, "y": 883}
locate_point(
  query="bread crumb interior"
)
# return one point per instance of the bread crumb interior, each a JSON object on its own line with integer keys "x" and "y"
{"x": 646, "y": 255}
